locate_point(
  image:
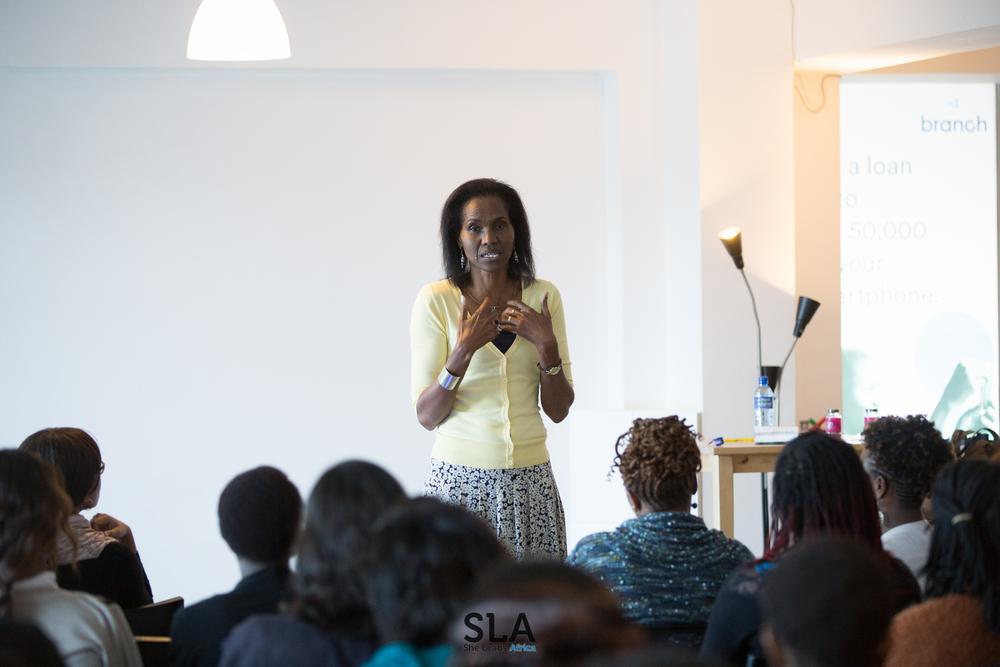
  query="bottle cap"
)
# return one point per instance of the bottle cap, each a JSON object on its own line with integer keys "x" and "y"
{"x": 762, "y": 382}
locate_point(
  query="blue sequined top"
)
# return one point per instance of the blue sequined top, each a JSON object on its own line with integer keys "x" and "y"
{"x": 666, "y": 567}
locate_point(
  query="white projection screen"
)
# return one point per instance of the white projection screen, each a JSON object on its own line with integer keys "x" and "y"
{"x": 918, "y": 243}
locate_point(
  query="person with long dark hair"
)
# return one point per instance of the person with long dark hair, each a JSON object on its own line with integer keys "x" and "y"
{"x": 959, "y": 623}
{"x": 327, "y": 621}
{"x": 665, "y": 565}
{"x": 547, "y": 613}
{"x": 820, "y": 488}
{"x": 102, "y": 558}
{"x": 34, "y": 510}
{"x": 487, "y": 344}
{"x": 425, "y": 559}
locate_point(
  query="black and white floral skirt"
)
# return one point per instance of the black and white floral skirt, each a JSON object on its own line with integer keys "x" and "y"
{"x": 522, "y": 504}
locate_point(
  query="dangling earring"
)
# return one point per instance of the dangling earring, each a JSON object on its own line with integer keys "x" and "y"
{"x": 461, "y": 261}
{"x": 515, "y": 256}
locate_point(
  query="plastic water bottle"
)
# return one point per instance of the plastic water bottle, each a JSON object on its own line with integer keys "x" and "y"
{"x": 763, "y": 404}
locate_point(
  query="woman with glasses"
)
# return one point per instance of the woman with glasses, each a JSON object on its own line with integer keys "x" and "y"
{"x": 101, "y": 558}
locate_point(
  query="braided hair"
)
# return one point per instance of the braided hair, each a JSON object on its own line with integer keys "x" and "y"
{"x": 820, "y": 487}
{"x": 33, "y": 510}
{"x": 965, "y": 545}
{"x": 658, "y": 460}
{"x": 908, "y": 451}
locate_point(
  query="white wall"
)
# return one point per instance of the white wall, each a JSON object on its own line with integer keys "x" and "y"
{"x": 235, "y": 288}
{"x": 823, "y": 28}
{"x": 746, "y": 171}
{"x": 817, "y": 242}
{"x": 186, "y": 248}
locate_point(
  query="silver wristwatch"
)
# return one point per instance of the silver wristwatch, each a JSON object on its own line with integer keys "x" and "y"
{"x": 555, "y": 370}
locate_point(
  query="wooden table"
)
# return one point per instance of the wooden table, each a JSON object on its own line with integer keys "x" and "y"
{"x": 732, "y": 459}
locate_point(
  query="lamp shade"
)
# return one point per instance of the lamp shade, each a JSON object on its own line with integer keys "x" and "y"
{"x": 807, "y": 308}
{"x": 732, "y": 239}
{"x": 238, "y": 30}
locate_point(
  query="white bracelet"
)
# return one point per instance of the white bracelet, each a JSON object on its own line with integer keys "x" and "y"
{"x": 447, "y": 380}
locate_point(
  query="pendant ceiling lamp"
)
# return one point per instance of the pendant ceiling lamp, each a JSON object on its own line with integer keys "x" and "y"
{"x": 238, "y": 30}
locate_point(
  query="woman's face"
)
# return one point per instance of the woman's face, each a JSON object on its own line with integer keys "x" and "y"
{"x": 486, "y": 236}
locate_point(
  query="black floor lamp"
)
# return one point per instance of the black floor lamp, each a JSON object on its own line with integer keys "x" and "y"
{"x": 732, "y": 239}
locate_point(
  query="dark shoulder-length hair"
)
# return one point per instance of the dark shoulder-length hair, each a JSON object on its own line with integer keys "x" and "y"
{"x": 965, "y": 545}
{"x": 74, "y": 453}
{"x": 821, "y": 488}
{"x": 34, "y": 508}
{"x": 425, "y": 558}
{"x": 329, "y": 584}
{"x": 451, "y": 225}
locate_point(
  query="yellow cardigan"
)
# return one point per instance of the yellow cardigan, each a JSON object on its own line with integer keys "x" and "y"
{"x": 495, "y": 422}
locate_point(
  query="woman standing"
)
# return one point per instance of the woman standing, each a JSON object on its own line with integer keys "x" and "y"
{"x": 487, "y": 342}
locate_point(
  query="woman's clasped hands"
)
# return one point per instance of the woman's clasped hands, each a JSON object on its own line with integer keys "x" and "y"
{"x": 533, "y": 325}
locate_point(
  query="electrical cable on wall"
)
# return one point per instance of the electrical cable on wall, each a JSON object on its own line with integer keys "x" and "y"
{"x": 797, "y": 83}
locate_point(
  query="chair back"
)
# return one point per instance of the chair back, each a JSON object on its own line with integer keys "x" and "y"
{"x": 154, "y": 650}
{"x": 154, "y": 620}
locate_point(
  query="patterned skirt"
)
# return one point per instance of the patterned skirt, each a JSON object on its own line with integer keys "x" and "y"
{"x": 522, "y": 504}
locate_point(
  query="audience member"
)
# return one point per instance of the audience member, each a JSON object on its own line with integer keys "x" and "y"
{"x": 665, "y": 565}
{"x": 902, "y": 455}
{"x": 820, "y": 488}
{"x": 104, "y": 559}
{"x": 259, "y": 513}
{"x": 652, "y": 655}
{"x": 327, "y": 621}
{"x": 813, "y": 614}
{"x": 982, "y": 444}
{"x": 959, "y": 624}
{"x": 34, "y": 509}
{"x": 24, "y": 645}
{"x": 541, "y": 613}
{"x": 425, "y": 559}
